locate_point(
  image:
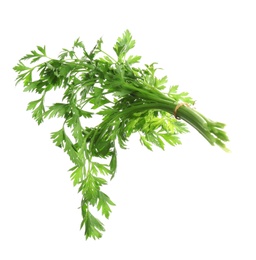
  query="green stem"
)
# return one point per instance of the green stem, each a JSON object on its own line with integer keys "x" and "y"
{"x": 208, "y": 129}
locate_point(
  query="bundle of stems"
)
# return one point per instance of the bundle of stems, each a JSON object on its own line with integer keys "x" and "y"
{"x": 129, "y": 99}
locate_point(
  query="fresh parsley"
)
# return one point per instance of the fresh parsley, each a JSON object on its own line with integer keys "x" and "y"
{"x": 128, "y": 99}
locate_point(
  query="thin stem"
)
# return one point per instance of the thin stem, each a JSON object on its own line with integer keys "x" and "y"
{"x": 115, "y": 61}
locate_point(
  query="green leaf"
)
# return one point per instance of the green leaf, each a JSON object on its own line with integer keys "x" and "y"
{"x": 57, "y": 110}
{"x": 34, "y": 56}
{"x": 160, "y": 83}
{"x": 77, "y": 175}
{"x": 133, "y": 59}
{"x": 124, "y": 44}
{"x": 93, "y": 227}
{"x": 27, "y": 79}
{"x": 173, "y": 89}
{"x": 100, "y": 181}
{"x": 38, "y": 114}
{"x": 98, "y": 98}
{"x": 33, "y": 104}
{"x": 90, "y": 188}
{"x": 79, "y": 44}
{"x": 155, "y": 139}
{"x": 77, "y": 132}
{"x": 37, "y": 86}
{"x": 35, "y": 59}
{"x": 183, "y": 96}
{"x": 38, "y": 110}
{"x": 42, "y": 50}
{"x": 58, "y": 137}
{"x": 63, "y": 54}
{"x": 113, "y": 164}
{"x": 171, "y": 139}
{"x": 85, "y": 114}
{"x": 69, "y": 148}
{"x": 99, "y": 43}
{"x": 20, "y": 67}
{"x": 99, "y": 167}
{"x": 104, "y": 204}
{"x": 144, "y": 141}
{"x": 64, "y": 69}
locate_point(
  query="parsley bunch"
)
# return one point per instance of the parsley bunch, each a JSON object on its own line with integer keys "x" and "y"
{"x": 127, "y": 98}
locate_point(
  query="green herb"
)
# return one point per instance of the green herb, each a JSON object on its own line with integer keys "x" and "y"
{"x": 127, "y": 98}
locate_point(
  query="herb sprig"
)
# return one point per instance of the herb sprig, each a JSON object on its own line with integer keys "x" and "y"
{"x": 130, "y": 99}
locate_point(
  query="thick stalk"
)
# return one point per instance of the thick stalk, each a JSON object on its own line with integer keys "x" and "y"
{"x": 208, "y": 129}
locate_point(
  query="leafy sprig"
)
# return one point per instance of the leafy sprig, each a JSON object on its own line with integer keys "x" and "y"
{"x": 128, "y": 99}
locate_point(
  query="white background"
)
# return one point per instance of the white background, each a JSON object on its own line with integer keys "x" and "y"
{"x": 189, "y": 202}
